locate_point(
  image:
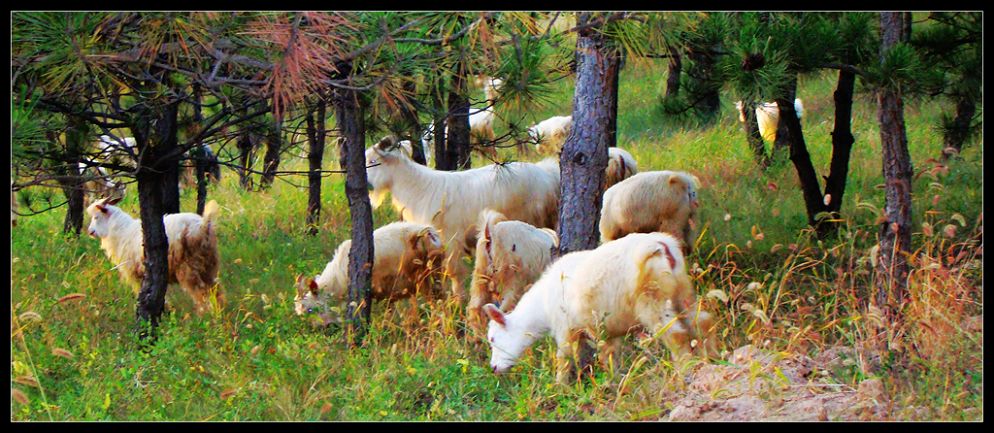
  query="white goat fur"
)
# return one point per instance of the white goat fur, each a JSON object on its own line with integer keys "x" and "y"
{"x": 404, "y": 260}
{"x": 636, "y": 283}
{"x": 452, "y": 201}
{"x": 768, "y": 117}
{"x": 620, "y": 166}
{"x": 652, "y": 201}
{"x": 193, "y": 252}
{"x": 510, "y": 256}
{"x": 550, "y": 134}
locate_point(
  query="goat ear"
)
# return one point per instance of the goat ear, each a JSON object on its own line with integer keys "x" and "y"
{"x": 102, "y": 208}
{"x": 301, "y": 285}
{"x": 114, "y": 200}
{"x": 495, "y": 314}
{"x": 312, "y": 286}
{"x": 385, "y": 143}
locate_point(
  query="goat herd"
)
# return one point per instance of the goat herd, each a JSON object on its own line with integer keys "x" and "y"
{"x": 635, "y": 282}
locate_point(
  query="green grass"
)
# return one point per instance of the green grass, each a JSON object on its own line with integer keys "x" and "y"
{"x": 257, "y": 361}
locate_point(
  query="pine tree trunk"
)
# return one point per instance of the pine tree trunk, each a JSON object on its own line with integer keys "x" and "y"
{"x": 895, "y": 231}
{"x": 76, "y": 135}
{"x": 200, "y": 153}
{"x": 673, "y": 73}
{"x": 442, "y": 161}
{"x": 245, "y": 144}
{"x": 813, "y": 200}
{"x": 316, "y": 137}
{"x": 170, "y": 166}
{"x": 782, "y": 141}
{"x": 842, "y": 141}
{"x": 155, "y": 134}
{"x": 584, "y": 156}
{"x": 457, "y": 142}
{"x": 707, "y": 101}
{"x": 271, "y": 160}
{"x": 612, "y": 126}
{"x": 414, "y": 126}
{"x": 753, "y": 136}
{"x": 353, "y": 161}
{"x": 956, "y": 135}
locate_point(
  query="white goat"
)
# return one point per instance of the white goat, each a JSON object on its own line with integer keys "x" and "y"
{"x": 550, "y": 134}
{"x": 193, "y": 253}
{"x": 620, "y": 166}
{"x": 510, "y": 256}
{"x": 452, "y": 201}
{"x": 636, "y": 283}
{"x": 652, "y": 201}
{"x": 404, "y": 257}
{"x": 768, "y": 117}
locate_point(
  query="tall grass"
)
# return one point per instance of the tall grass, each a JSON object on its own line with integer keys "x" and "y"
{"x": 757, "y": 268}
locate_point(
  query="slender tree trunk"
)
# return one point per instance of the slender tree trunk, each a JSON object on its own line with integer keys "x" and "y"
{"x": 707, "y": 100}
{"x": 457, "y": 142}
{"x": 584, "y": 156}
{"x": 612, "y": 126}
{"x": 842, "y": 141}
{"x": 171, "y": 166}
{"x": 813, "y": 200}
{"x": 414, "y": 126}
{"x": 673, "y": 73}
{"x": 316, "y": 137}
{"x": 782, "y": 142}
{"x": 895, "y": 231}
{"x": 245, "y": 144}
{"x": 155, "y": 134}
{"x": 442, "y": 161}
{"x": 271, "y": 161}
{"x": 956, "y": 135}
{"x": 753, "y": 137}
{"x": 76, "y": 135}
{"x": 906, "y": 35}
{"x": 353, "y": 161}
{"x": 199, "y": 153}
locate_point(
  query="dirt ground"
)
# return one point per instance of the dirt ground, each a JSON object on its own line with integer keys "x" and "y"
{"x": 759, "y": 385}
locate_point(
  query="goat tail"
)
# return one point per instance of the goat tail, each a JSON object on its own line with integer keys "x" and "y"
{"x": 211, "y": 210}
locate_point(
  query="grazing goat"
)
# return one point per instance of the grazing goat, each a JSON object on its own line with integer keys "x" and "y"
{"x": 193, "y": 253}
{"x": 652, "y": 201}
{"x": 638, "y": 283}
{"x": 452, "y": 201}
{"x": 404, "y": 261}
{"x": 510, "y": 256}
{"x": 620, "y": 166}
{"x": 550, "y": 134}
{"x": 768, "y": 117}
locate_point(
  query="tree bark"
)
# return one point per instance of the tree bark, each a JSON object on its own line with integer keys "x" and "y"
{"x": 271, "y": 160}
{"x": 316, "y": 137}
{"x": 842, "y": 141}
{"x": 414, "y": 127}
{"x": 895, "y": 231}
{"x": 457, "y": 142}
{"x": 753, "y": 137}
{"x": 956, "y": 135}
{"x": 813, "y": 200}
{"x": 442, "y": 161}
{"x": 155, "y": 135}
{"x": 246, "y": 144}
{"x": 353, "y": 161}
{"x": 76, "y": 135}
{"x": 584, "y": 156}
{"x": 782, "y": 140}
{"x": 170, "y": 166}
{"x": 701, "y": 70}
{"x": 612, "y": 126}
{"x": 199, "y": 153}
{"x": 673, "y": 73}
